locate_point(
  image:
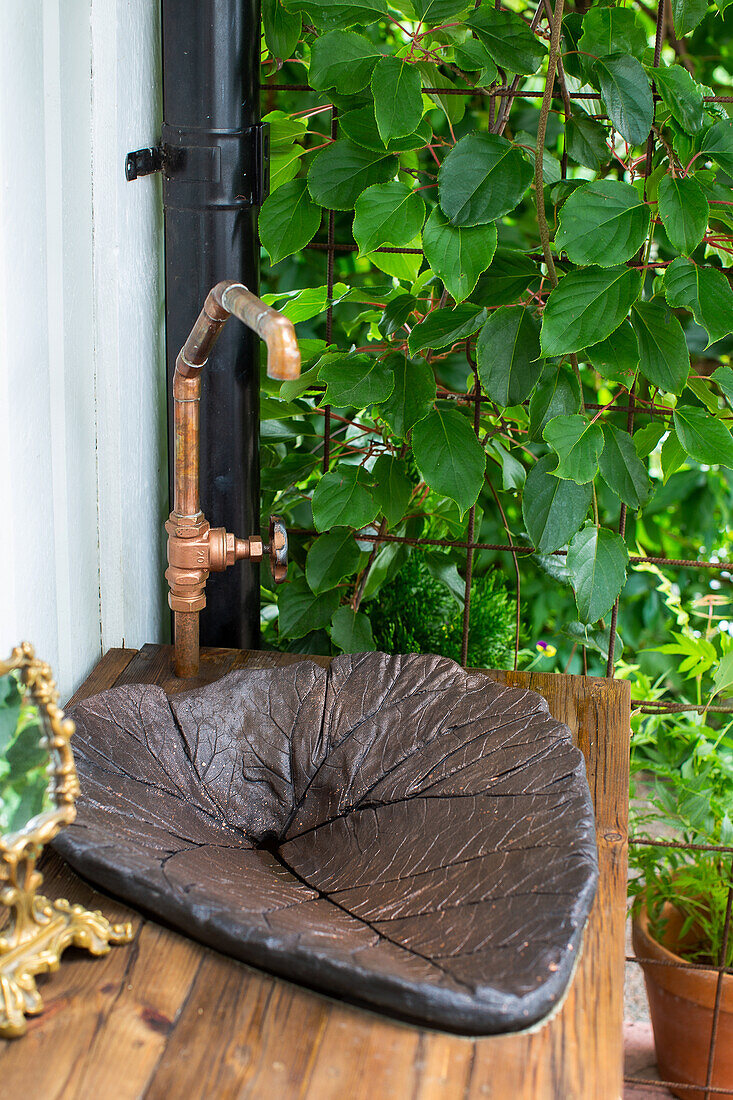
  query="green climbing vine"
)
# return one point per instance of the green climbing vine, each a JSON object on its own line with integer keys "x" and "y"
{"x": 567, "y": 227}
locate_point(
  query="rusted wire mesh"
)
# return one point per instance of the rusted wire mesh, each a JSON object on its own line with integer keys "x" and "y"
{"x": 633, "y": 406}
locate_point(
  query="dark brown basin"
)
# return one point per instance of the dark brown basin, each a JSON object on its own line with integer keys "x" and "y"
{"x": 392, "y": 830}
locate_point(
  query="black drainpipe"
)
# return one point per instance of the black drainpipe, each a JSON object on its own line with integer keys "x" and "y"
{"x": 214, "y": 168}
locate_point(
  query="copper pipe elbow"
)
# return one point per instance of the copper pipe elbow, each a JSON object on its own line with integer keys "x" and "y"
{"x": 283, "y": 354}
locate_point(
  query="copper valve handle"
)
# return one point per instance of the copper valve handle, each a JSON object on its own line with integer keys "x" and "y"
{"x": 194, "y": 548}
{"x": 277, "y": 548}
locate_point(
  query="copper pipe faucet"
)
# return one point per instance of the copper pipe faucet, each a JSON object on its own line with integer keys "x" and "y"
{"x": 195, "y": 548}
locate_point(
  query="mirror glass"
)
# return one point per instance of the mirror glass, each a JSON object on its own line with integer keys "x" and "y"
{"x": 25, "y": 774}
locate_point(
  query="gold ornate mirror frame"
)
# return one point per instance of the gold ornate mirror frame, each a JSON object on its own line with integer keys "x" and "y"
{"x": 38, "y": 930}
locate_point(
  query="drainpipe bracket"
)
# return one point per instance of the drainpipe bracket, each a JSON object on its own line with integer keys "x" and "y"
{"x": 204, "y": 168}
{"x": 143, "y": 162}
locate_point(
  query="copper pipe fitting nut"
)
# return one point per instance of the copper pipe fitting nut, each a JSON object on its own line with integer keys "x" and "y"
{"x": 225, "y": 549}
{"x": 187, "y": 590}
{"x": 256, "y": 548}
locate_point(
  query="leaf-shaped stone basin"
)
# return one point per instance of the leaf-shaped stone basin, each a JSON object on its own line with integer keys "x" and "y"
{"x": 393, "y": 831}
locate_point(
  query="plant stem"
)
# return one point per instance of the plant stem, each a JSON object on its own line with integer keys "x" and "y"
{"x": 555, "y": 28}
{"x": 364, "y": 576}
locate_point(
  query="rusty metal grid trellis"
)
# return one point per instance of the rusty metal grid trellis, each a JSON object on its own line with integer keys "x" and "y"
{"x": 633, "y": 406}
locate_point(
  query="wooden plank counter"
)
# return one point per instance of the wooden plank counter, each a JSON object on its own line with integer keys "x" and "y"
{"x": 165, "y": 1018}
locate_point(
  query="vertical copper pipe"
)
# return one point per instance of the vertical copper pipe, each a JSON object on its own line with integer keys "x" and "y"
{"x": 186, "y": 403}
{"x": 186, "y": 658}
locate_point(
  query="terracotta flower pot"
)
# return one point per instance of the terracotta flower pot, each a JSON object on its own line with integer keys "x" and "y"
{"x": 681, "y": 1003}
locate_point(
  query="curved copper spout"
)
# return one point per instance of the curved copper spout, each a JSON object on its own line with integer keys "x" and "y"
{"x": 228, "y": 299}
{"x": 194, "y": 548}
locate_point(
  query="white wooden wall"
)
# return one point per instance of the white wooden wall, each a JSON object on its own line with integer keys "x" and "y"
{"x": 83, "y": 481}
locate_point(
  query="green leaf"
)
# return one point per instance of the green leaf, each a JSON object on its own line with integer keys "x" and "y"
{"x": 444, "y": 327}
{"x": 331, "y": 557}
{"x": 703, "y": 437}
{"x": 397, "y": 90}
{"x": 450, "y": 457}
{"x": 508, "y": 39}
{"x": 718, "y": 144}
{"x": 282, "y": 28}
{"x": 595, "y": 640}
{"x": 483, "y": 177}
{"x": 586, "y": 142}
{"x": 684, "y": 211}
{"x": 355, "y": 380}
{"x": 647, "y": 438}
{"x": 513, "y": 473}
{"x": 342, "y": 60}
{"x": 392, "y": 488}
{"x": 557, "y": 393}
{"x": 395, "y": 313}
{"x": 403, "y": 266}
{"x": 458, "y": 255}
{"x": 622, "y": 469}
{"x": 330, "y": 14}
{"x": 351, "y": 631}
{"x": 31, "y": 799}
{"x": 578, "y": 442}
{"x": 723, "y": 678}
{"x": 672, "y": 457}
{"x": 704, "y": 392}
{"x": 284, "y": 165}
{"x": 10, "y": 703}
{"x": 438, "y": 11}
{"x": 387, "y": 563}
{"x": 508, "y": 354}
{"x": 288, "y": 220}
{"x": 387, "y": 213}
{"x": 342, "y": 498}
{"x": 413, "y": 395}
{"x": 509, "y": 275}
{"x": 612, "y": 30}
{"x": 295, "y": 387}
{"x": 553, "y": 508}
{"x": 627, "y": 97}
{"x": 300, "y": 611}
{"x": 551, "y": 167}
{"x": 283, "y": 430}
{"x": 340, "y": 173}
{"x": 663, "y": 355}
{"x": 292, "y": 469}
{"x": 445, "y": 571}
{"x": 303, "y": 305}
{"x": 587, "y": 306}
{"x": 687, "y": 14}
{"x": 471, "y": 56}
{"x": 597, "y": 560}
{"x": 724, "y": 377}
{"x": 705, "y": 291}
{"x": 284, "y": 129}
{"x": 452, "y": 106}
{"x": 603, "y": 223}
{"x": 616, "y": 357}
{"x": 360, "y": 126}
{"x": 572, "y": 31}
{"x": 681, "y": 95}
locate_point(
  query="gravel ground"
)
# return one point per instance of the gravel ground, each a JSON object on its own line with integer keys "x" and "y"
{"x": 636, "y": 1008}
